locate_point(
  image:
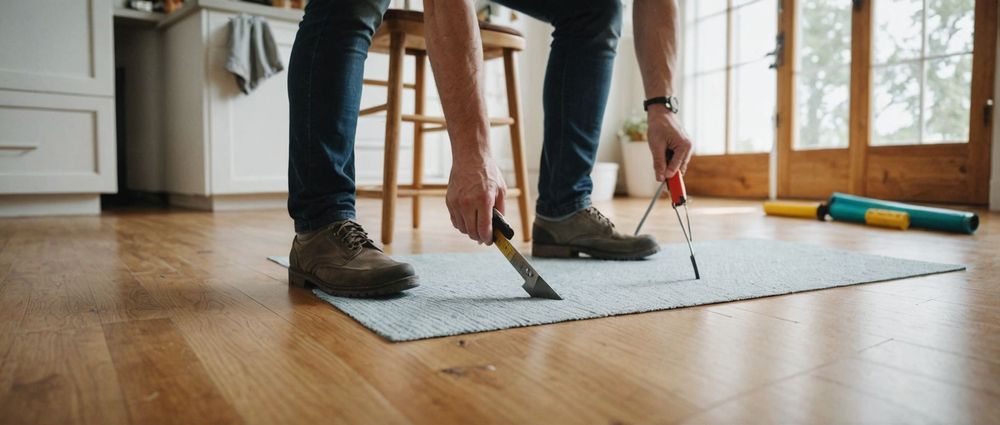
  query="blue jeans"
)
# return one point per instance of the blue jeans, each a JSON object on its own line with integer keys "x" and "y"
{"x": 324, "y": 92}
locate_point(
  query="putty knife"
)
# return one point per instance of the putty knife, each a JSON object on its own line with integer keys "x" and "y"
{"x": 534, "y": 285}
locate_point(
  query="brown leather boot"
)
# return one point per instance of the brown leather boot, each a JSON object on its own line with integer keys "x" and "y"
{"x": 342, "y": 261}
{"x": 588, "y": 232}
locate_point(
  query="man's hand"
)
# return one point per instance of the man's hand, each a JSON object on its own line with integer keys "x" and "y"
{"x": 473, "y": 191}
{"x": 455, "y": 49}
{"x": 655, "y": 24}
{"x": 665, "y": 133}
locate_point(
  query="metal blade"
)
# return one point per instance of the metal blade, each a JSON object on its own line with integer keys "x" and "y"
{"x": 534, "y": 285}
{"x": 659, "y": 191}
{"x": 687, "y": 238}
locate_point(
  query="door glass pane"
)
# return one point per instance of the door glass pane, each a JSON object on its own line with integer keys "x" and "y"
{"x": 898, "y": 30}
{"x": 949, "y": 26}
{"x": 755, "y": 26}
{"x": 708, "y": 7}
{"x": 823, "y": 77}
{"x": 710, "y": 114}
{"x": 822, "y": 101}
{"x": 896, "y": 104}
{"x": 946, "y": 99}
{"x": 922, "y": 77}
{"x": 753, "y": 108}
{"x": 710, "y": 44}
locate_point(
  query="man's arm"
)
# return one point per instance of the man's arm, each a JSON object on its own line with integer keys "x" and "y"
{"x": 655, "y": 29}
{"x": 456, "y": 54}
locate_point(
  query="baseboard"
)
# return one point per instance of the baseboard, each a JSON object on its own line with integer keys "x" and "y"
{"x": 256, "y": 201}
{"x": 43, "y": 205}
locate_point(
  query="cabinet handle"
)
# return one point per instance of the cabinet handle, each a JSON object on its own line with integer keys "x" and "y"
{"x": 18, "y": 147}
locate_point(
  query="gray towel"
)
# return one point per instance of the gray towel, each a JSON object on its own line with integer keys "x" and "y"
{"x": 253, "y": 54}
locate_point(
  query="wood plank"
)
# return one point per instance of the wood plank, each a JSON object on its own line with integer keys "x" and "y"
{"x": 58, "y": 301}
{"x": 277, "y": 355}
{"x": 60, "y": 376}
{"x": 945, "y": 366}
{"x": 785, "y": 136}
{"x": 816, "y": 174}
{"x": 860, "y": 101}
{"x": 984, "y": 59}
{"x": 918, "y": 393}
{"x": 802, "y": 399}
{"x": 920, "y": 174}
{"x": 282, "y": 368}
{"x": 120, "y": 298}
{"x": 161, "y": 378}
{"x": 14, "y": 296}
{"x": 737, "y": 175}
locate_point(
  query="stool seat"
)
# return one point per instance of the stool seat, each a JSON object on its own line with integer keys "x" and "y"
{"x": 495, "y": 37}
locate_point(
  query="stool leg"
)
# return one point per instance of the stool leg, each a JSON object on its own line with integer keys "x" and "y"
{"x": 517, "y": 141}
{"x": 418, "y": 136}
{"x": 393, "y": 121}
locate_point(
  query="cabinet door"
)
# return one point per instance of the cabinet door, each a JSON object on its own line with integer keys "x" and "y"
{"x": 56, "y": 46}
{"x": 56, "y": 143}
{"x": 248, "y": 132}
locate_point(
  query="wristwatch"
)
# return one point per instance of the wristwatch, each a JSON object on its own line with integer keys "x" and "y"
{"x": 670, "y": 102}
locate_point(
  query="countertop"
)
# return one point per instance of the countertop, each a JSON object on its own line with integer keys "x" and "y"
{"x": 159, "y": 20}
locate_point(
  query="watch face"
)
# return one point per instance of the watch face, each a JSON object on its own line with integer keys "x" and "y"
{"x": 673, "y": 104}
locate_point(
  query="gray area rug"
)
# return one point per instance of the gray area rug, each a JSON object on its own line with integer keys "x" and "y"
{"x": 476, "y": 292}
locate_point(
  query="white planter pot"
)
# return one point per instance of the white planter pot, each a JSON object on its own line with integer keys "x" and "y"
{"x": 605, "y": 177}
{"x": 639, "y": 177}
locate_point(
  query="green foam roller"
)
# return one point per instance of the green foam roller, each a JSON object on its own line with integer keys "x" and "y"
{"x": 846, "y": 211}
{"x": 847, "y": 207}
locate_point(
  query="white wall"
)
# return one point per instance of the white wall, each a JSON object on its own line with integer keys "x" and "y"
{"x": 624, "y": 100}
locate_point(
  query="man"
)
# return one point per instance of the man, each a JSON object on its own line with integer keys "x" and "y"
{"x": 325, "y": 73}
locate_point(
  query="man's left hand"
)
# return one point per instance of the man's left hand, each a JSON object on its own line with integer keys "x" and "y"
{"x": 665, "y": 133}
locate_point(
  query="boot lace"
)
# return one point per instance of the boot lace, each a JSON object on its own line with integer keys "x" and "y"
{"x": 353, "y": 235}
{"x": 593, "y": 212}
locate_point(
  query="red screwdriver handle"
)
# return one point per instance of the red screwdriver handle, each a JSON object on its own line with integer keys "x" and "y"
{"x": 678, "y": 193}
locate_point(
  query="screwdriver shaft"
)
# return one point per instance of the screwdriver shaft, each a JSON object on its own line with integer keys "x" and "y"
{"x": 659, "y": 191}
{"x": 687, "y": 238}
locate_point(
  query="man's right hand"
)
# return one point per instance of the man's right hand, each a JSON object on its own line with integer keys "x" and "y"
{"x": 474, "y": 189}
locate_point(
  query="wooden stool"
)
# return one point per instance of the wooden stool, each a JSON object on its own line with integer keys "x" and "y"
{"x": 402, "y": 33}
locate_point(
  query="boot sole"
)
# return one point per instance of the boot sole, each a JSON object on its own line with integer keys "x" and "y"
{"x": 307, "y": 281}
{"x": 569, "y": 251}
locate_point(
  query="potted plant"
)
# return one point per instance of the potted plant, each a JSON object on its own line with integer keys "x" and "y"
{"x": 639, "y": 178}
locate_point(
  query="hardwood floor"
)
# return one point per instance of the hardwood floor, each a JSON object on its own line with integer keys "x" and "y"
{"x": 177, "y": 317}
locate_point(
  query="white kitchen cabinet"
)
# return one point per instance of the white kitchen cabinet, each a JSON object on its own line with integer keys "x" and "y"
{"x": 57, "y": 117}
{"x": 56, "y": 46}
{"x": 54, "y": 143}
{"x": 223, "y": 149}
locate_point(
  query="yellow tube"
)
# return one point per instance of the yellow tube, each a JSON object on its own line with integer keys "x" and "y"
{"x": 791, "y": 209}
{"x": 887, "y": 218}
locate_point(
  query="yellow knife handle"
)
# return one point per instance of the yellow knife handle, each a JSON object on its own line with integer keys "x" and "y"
{"x": 503, "y": 244}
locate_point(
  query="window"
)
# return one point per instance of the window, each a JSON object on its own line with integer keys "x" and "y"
{"x": 885, "y": 98}
{"x": 921, "y": 71}
{"x": 729, "y": 88}
{"x": 822, "y": 74}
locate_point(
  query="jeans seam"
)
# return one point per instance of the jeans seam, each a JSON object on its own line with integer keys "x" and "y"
{"x": 562, "y": 125}
{"x": 325, "y": 220}
{"x": 577, "y": 204}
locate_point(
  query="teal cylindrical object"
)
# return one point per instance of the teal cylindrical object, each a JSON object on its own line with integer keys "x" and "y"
{"x": 846, "y": 211}
{"x": 848, "y": 206}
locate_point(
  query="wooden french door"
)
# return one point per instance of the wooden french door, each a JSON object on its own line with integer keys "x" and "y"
{"x": 886, "y": 98}
{"x": 729, "y": 94}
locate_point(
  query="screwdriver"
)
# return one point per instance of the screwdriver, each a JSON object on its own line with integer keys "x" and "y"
{"x": 678, "y": 198}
